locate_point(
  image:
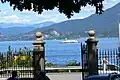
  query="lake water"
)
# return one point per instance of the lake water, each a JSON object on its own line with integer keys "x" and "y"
{"x": 60, "y": 53}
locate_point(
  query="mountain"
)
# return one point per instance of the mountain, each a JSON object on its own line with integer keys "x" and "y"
{"x": 8, "y": 25}
{"x": 15, "y": 28}
{"x": 104, "y": 25}
{"x": 44, "y": 24}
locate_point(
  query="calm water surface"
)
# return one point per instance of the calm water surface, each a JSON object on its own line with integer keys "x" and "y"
{"x": 60, "y": 53}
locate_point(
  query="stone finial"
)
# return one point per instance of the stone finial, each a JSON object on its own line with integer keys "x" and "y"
{"x": 39, "y": 36}
{"x": 91, "y": 34}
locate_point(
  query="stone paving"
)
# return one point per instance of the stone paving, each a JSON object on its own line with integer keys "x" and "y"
{"x": 61, "y": 76}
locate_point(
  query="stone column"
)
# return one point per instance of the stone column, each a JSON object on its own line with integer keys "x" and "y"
{"x": 38, "y": 56}
{"x": 92, "y": 53}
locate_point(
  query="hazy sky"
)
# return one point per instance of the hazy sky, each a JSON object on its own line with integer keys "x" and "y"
{"x": 8, "y": 15}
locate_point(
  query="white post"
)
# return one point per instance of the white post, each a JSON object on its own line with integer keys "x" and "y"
{"x": 118, "y": 59}
{"x": 119, "y": 34}
{"x": 69, "y": 71}
{"x": 104, "y": 67}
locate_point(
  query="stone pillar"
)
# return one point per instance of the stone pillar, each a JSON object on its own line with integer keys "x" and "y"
{"x": 92, "y": 54}
{"x": 38, "y": 56}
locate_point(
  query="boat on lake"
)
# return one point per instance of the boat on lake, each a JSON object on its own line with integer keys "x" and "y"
{"x": 69, "y": 41}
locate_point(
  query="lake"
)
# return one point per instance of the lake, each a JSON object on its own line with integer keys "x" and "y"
{"x": 60, "y": 53}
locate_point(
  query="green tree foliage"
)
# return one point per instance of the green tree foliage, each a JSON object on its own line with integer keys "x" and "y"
{"x": 9, "y": 57}
{"x": 50, "y": 64}
{"x": 2, "y": 61}
{"x": 68, "y": 7}
{"x": 9, "y": 52}
{"x": 72, "y": 63}
{"x": 23, "y": 58}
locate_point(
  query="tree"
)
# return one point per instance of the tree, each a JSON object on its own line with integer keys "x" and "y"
{"x": 68, "y": 7}
{"x": 9, "y": 57}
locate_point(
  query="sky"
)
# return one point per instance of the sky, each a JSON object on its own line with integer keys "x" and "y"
{"x": 8, "y": 15}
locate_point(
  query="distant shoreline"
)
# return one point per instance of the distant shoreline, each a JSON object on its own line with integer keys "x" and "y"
{"x": 58, "y": 39}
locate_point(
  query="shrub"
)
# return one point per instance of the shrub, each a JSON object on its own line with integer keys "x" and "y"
{"x": 50, "y": 64}
{"x": 72, "y": 63}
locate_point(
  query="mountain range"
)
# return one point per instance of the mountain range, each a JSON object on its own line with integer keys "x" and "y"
{"x": 105, "y": 25}
{"x": 14, "y": 28}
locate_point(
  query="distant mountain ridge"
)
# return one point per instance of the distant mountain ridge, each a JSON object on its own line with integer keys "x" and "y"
{"x": 43, "y": 24}
{"x": 15, "y": 29}
{"x": 105, "y": 24}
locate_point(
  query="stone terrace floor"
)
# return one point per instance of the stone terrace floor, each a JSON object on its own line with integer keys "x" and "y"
{"x": 61, "y": 76}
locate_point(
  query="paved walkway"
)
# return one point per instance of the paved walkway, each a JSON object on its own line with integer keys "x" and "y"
{"x": 61, "y": 76}
{"x": 65, "y": 76}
